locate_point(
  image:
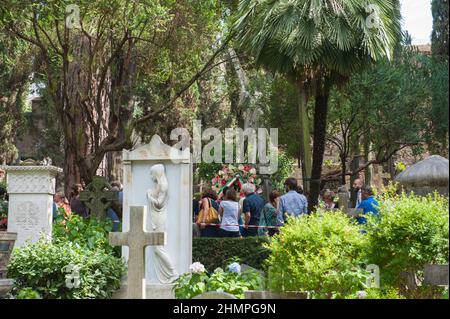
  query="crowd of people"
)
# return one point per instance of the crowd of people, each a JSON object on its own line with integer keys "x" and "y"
{"x": 225, "y": 216}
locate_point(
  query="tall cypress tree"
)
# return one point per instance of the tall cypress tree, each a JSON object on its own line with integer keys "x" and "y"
{"x": 438, "y": 137}
{"x": 440, "y": 34}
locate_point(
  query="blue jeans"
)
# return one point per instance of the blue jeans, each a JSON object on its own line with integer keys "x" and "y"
{"x": 111, "y": 214}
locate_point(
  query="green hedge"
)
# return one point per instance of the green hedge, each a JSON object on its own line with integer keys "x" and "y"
{"x": 216, "y": 252}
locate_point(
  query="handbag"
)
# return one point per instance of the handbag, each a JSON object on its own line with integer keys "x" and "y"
{"x": 212, "y": 216}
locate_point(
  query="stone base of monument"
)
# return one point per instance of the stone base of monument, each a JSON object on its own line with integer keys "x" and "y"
{"x": 153, "y": 291}
{"x": 5, "y": 287}
{"x": 263, "y": 294}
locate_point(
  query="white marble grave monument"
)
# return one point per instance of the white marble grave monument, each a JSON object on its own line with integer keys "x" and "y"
{"x": 30, "y": 205}
{"x": 159, "y": 176}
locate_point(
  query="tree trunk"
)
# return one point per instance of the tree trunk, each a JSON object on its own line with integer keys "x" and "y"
{"x": 320, "y": 129}
{"x": 305, "y": 147}
{"x": 344, "y": 170}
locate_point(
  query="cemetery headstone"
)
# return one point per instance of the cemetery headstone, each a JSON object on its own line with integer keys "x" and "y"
{"x": 30, "y": 207}
{"x": 98, "y": 197}
{"x": 137, "y": 238}
{"x": 436, "y": 275}
{"x": 344, "y": 203}
{"x": 159, "y": 176}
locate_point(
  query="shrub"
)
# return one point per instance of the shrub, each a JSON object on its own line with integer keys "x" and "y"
{"x": 43, "y": 267}
{"x": 413, "y": 231}
{"x": 90, "y": 233}
{"x": 232, "y": 281}
{"x": 321, "y": 253}
{"x": 28, "y": 293}
{"x": 216, "y": 252}
{"x": 375, "y": 293}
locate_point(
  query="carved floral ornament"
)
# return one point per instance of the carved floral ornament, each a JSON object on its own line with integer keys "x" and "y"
{"x": 27, "y": 216}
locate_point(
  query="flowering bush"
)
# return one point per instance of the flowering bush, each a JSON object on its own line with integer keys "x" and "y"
{"x": 232, "y": 281}
{"x": 197, "y": 268}
{"x": 234, "y": 267}
{"x": 42, "y": 266}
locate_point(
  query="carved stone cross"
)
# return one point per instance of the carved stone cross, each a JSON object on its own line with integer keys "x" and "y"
{"x": 137, "y": 239}
{"x": 98, "y": 197}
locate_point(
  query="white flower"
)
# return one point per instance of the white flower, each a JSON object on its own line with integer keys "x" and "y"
{"x": 253, "y": 171}
{"x": 241, "y": 167}
{"x": 361, "y": 294}
{"x": 221, "y": 173}
{"x": 197, "y": 268}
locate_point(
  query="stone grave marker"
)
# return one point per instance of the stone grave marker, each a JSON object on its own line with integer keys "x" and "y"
{"x": 344, "y": 200}
{"x": 98, "y": 197}
{"x": 436, "y": 275}
{"x": 136, "y": 239}
{"x": 159, "y": 176}
{"x": 30, "y": 207}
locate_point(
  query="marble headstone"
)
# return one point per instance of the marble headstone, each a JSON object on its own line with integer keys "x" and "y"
{"x": 160, "y": 177}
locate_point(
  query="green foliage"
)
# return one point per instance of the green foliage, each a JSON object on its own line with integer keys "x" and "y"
{"x": 440, "y": 34}
{"x": 191, "y": 285}
{"x": 15, "y": 69}
{"x": 375, "y": 293}
{"x": 207, "y": 171}
{"x": 286, "y": 166}
{"x": 304, "y": 38}
{"x": 43, "y": 266}
{"x": 322, "y": 253}
{"x": 214, "y": 252}
{"x": 28, "y": 293}
{"x": 388, "y": 105}
{"x": 89, "y": 233}
{"x": 413, "y": 231}
{"x": 437, "y": 137}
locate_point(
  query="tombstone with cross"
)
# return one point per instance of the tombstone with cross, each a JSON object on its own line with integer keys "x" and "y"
{"x": 98, "y": 197}
{"x": 137, "y": 239}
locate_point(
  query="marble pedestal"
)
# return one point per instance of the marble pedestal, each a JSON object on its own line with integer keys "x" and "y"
{"x": 30, "y": 205}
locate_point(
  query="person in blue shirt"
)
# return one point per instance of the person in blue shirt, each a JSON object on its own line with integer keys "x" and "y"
{"x": 251, "y": 207}
{"x": 292, "y": 203}
{"x": 368, "y": 204}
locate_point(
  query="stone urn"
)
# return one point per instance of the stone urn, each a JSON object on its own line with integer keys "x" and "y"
{"x": 7, "y": 241}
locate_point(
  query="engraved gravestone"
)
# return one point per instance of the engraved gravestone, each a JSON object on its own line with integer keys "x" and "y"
{"x": 30, "y": 206}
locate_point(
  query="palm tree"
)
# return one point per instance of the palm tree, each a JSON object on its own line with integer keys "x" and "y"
{"x": 317, "y": 44}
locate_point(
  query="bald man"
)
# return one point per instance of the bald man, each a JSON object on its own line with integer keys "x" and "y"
{"x": 356, "y": 192}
